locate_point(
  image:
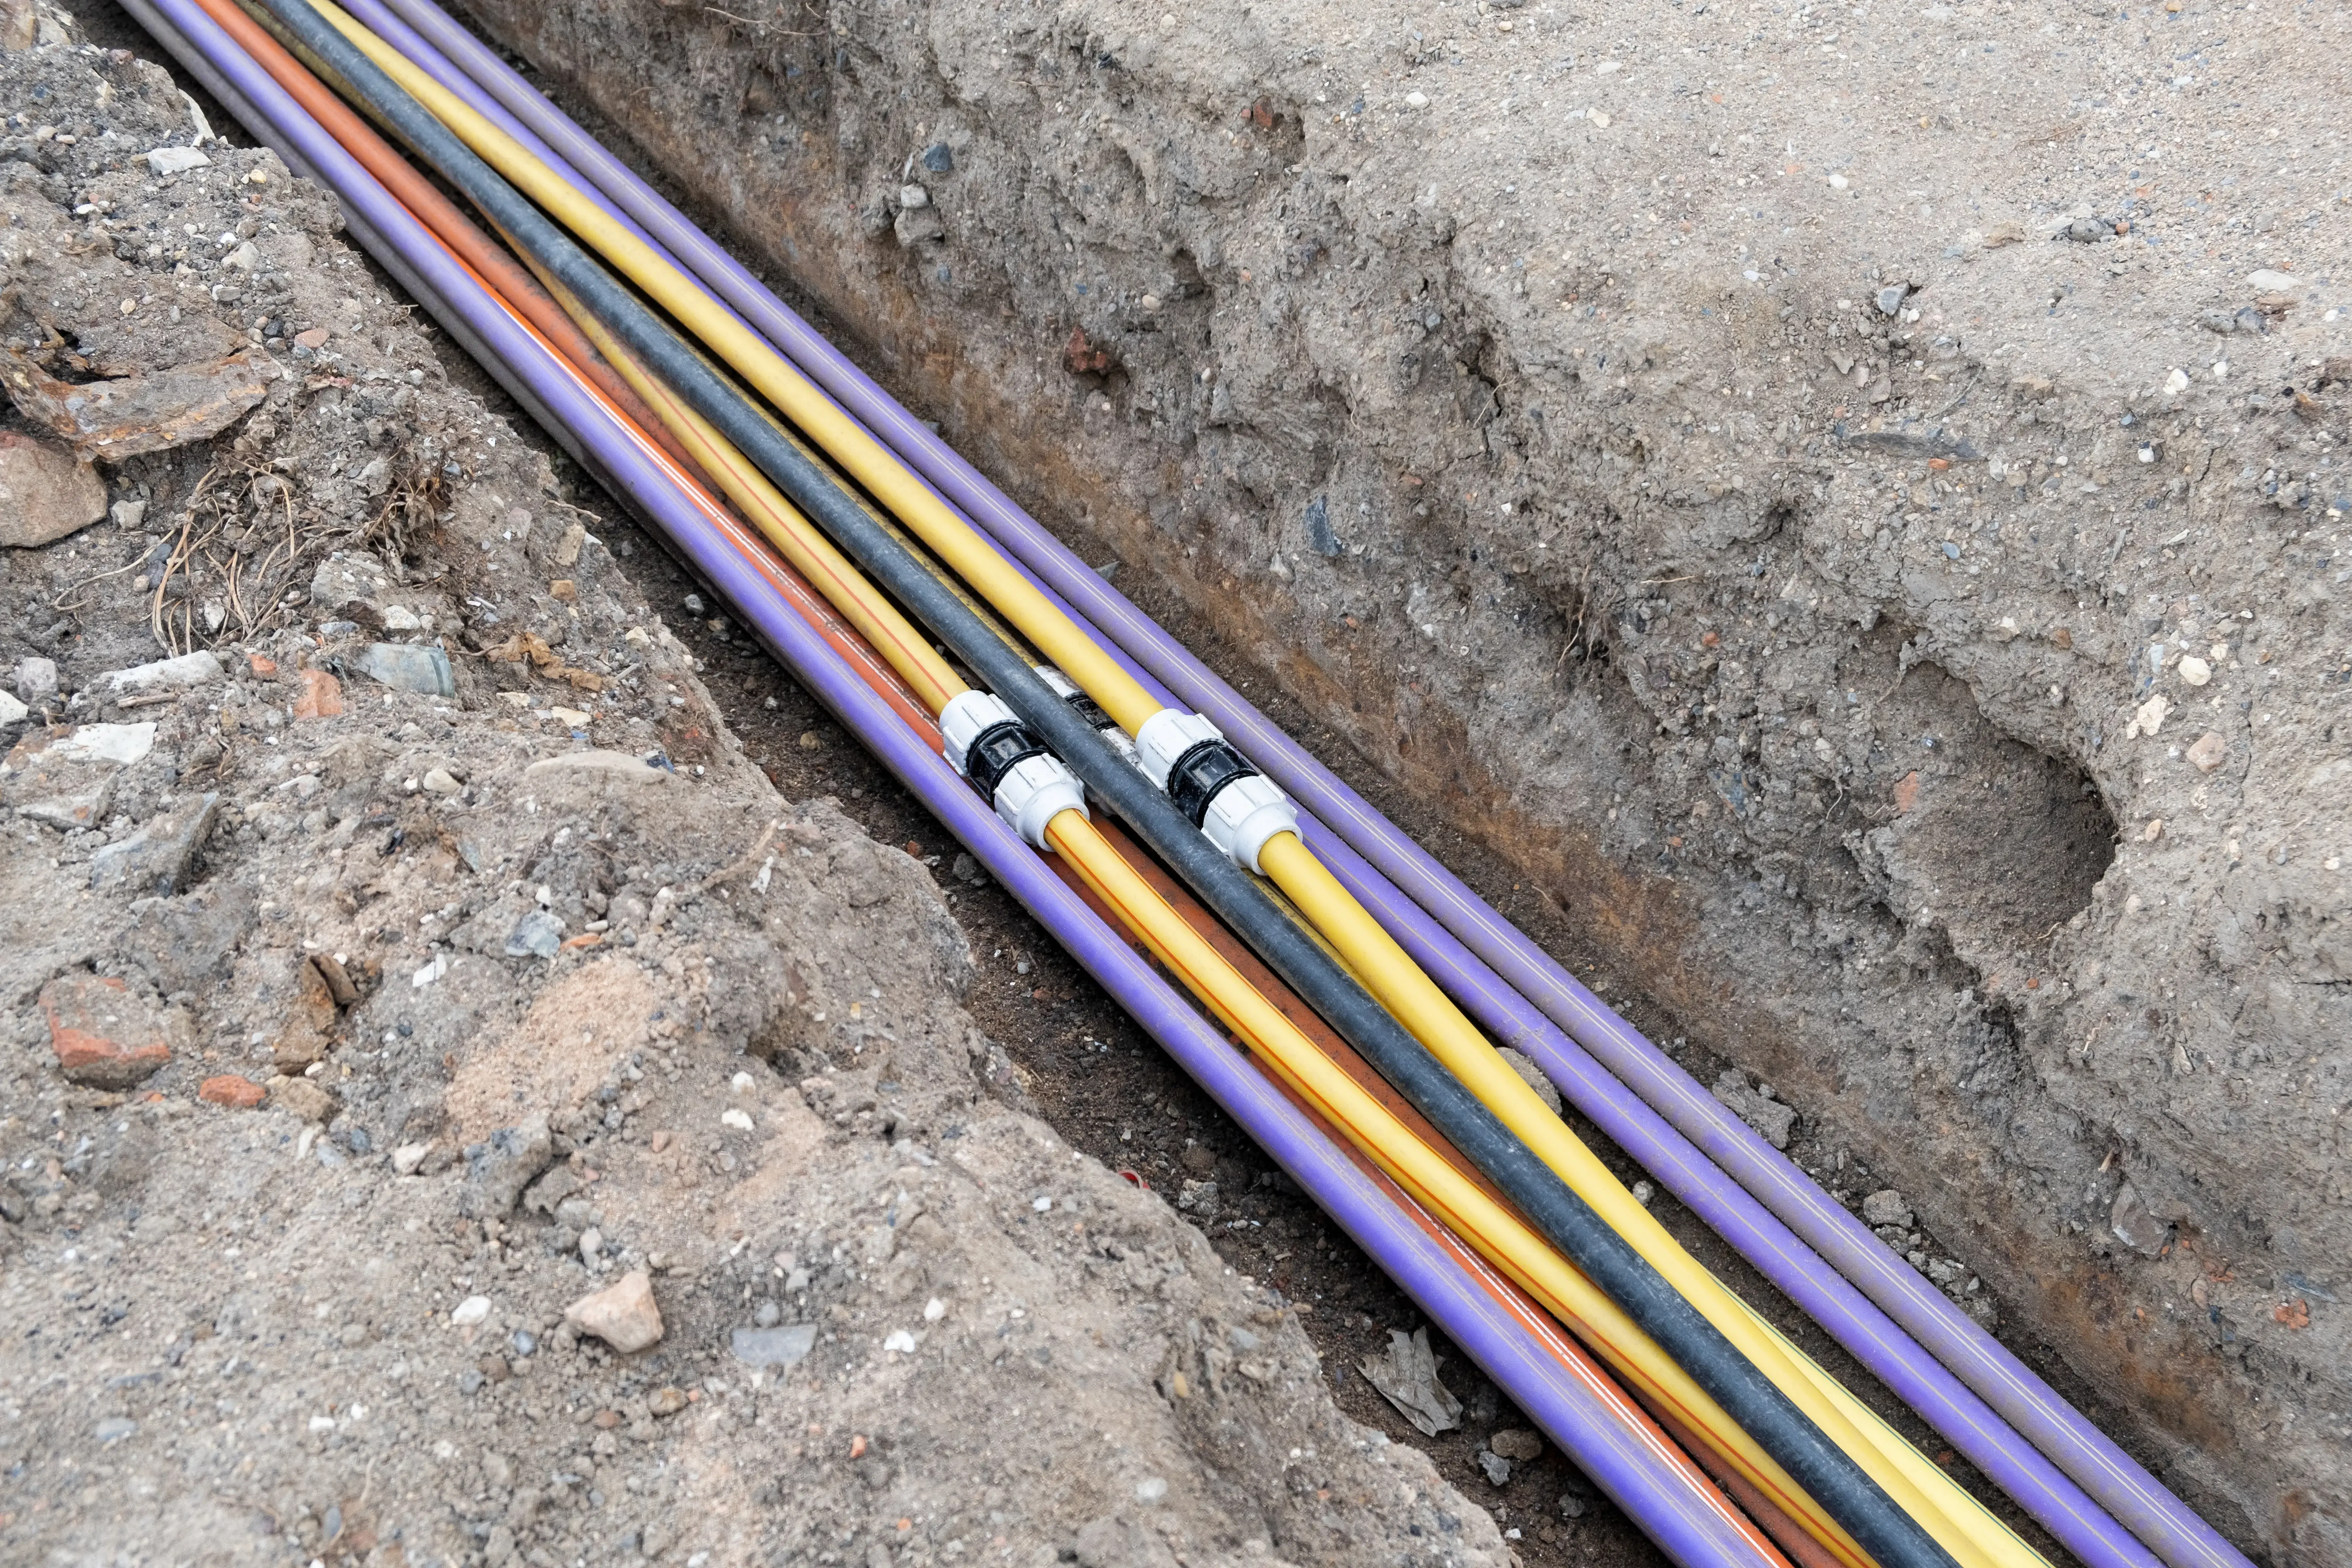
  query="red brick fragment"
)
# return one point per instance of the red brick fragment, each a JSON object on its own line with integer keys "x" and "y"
{"x": 102, "y": 1035}
{"x": 237, "y": 1092}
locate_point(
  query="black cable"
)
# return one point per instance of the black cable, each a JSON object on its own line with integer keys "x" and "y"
{"x": 1829, "y": 1476}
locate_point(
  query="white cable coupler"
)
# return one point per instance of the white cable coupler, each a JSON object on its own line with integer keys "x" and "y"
{"x": 1035, "y": 790}
{"x": 968, "y": 716}
{"x": 986, "y": 741}
{"x": 1166, "y": 737}
{"x": 1244, "y": 815}
{"x": 1238, "y": 807}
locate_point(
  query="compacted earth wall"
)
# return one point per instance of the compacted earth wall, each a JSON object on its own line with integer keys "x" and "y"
{"x": 1848, "y": 502}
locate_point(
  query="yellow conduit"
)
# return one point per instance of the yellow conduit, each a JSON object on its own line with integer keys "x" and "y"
{"x": 1944, "y": 1510}
{"x": 869, "y": 462}
{"x": 1393, "y": 976}
{"x": 1486, "y": 1225}
{"x": 816, "y": 557}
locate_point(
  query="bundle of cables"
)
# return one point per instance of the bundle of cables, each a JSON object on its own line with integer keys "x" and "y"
{"x": 1344, "y": 975}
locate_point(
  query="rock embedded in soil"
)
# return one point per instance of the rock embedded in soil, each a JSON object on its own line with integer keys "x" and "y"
{"x": 162, "y": 857}
{"x": 304, "y": 1098}
{"x": 499, "y": 1167}
{"x": 1887, "y": 1207}
{"x": 45, "y": 494}
{"x": 765, "y": 1346}
{"x": 232, "y": 1090}
{"x": 1517, "y": 1443}
{"x": 623, "y": 1314}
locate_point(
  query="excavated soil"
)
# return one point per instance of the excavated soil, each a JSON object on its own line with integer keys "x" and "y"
{"x": 1843, "y": 503}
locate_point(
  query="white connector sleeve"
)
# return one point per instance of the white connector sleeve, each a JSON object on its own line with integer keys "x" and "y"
{"x": 1245, "y": 814}
{"x": 966, "y": 717}
{"x": 1035, "y": 790}
{"x": 1165, "y": 737}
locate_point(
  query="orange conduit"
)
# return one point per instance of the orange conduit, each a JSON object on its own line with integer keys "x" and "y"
{"x": 1676, "y": 1440}
{"x": 533, "y": 310}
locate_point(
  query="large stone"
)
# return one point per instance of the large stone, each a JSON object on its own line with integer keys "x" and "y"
{"x": 306, "y": 1031}
{"x": 1768, "y": 1116}
{"x": 231, "y": 1089}
{"x": 164, "y": 674}
{"x": 595, "y": 768}
{"x": 102, "y": 1035}
{"x": 162, "y": 857}
{"x": 408, "y": 667}
{"x": 1887, "y": 1207}
{"x": 623, "y": 1314}
{"x": 304, "y": 1098}
{"x": 784, "y": 1346}
{"x": 119, "y": 744}
{"x": 36, "y": 678}
{"x": 45, "y": 495}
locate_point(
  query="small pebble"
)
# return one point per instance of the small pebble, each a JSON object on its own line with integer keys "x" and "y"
{"x": 471, "y": 1313}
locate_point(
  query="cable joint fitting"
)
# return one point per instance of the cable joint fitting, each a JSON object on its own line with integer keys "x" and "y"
{"x": 1213, "y": 786}
{"x": 1029, "y": 787}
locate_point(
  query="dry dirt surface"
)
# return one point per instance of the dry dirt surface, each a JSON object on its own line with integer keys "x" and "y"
{"x": 454, "y": 1109}
{"x": 1848, "y": 500}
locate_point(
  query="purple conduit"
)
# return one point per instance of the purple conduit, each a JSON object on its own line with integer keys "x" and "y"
{"x": 2117, "y": 1482}
{"x": 1684, "y": 1523}
{"x": 1945, "y": 1403}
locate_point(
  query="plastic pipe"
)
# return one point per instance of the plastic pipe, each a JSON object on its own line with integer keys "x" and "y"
{"x": 1929, "y": 1494}
{"x": 1919, "y": 1381}
{"x": 1995, "y": 1447}
{"x": 963, "y": 484}
{"x": 2104, "y": 1473}
{"x": 1677, "y": 1516}
{"x": 1853, "y": 1499}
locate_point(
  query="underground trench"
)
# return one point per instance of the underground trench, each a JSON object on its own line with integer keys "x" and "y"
{"x": 1086, "y": 1070}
